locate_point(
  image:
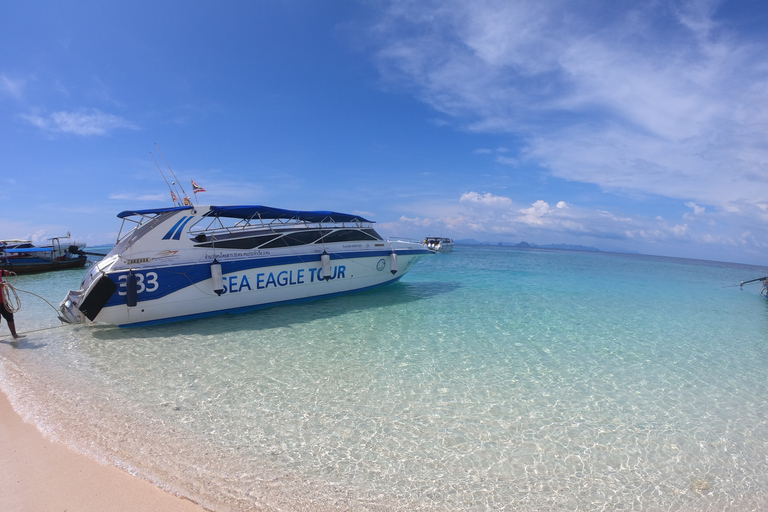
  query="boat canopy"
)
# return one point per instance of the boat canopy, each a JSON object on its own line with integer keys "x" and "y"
{"x": 267, "y": 212}
{"x": 156, "y": 211}
{"x": 29, "y": 249}
{"x": 256, "y": 211}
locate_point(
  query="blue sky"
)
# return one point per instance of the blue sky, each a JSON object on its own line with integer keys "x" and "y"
{"x": 638, "y": 126}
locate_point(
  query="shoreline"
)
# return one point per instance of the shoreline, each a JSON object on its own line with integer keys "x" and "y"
{"x": 40, "y": 474}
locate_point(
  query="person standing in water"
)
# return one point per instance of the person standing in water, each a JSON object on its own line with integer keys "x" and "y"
{"x": 4, "y": 310}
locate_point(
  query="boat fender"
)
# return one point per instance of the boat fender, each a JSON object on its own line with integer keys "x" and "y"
{"x": 325, "y": 262}
{"x": 218, "y": 283}
{"x": 393, "y": 263}
{"x": 130, "y": 290}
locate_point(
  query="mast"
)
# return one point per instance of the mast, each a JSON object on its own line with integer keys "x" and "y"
{"x": 176, "y": 202}
{"x": 186, "y": 197}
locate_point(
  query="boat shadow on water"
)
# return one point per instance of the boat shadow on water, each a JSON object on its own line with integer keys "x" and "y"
{"x": 280, "y": 316}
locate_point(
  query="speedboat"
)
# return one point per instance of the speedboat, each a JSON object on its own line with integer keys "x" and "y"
{"x": 438, "y": 244}
{"x": 187, "y": 262}
{"x": 23, "y": 257}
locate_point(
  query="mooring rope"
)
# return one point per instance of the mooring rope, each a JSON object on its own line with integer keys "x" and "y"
{"x": 3, "y": 336}
{"x": 41, "y": 298}
{"x": 11, "y": 296}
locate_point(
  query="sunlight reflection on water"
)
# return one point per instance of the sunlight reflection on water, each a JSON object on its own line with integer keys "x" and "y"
{"x": 488, "y": 378}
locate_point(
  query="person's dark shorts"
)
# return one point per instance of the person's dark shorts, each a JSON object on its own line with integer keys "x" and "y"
{"x": 6, "y": 314}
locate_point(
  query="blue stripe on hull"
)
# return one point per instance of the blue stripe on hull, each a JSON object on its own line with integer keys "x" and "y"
{"x": 246, "y": 309}
{"x": 174, "y": 278}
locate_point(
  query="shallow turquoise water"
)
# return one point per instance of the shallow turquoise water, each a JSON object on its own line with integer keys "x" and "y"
{"x": 489, "y": 378}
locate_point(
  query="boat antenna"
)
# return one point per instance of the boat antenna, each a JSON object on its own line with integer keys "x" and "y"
{"x": 175, "y": 202}
{"x": 186, "y": 198}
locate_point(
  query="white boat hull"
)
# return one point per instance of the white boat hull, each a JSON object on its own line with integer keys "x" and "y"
{"x": 163, "y": 274}
{"x": 438, "y": 244}
{"x": 249, "y": 289}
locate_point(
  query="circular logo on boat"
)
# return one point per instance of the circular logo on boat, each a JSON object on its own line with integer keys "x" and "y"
{"x": 380, "y": 265}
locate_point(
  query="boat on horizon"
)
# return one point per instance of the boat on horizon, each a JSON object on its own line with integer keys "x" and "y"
{"x": 438, "y": 243}
{"x": 187, "y": 262}
{"x": 23, "y": 257}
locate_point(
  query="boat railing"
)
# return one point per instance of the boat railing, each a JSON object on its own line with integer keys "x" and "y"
{"x": 55, "y": 248}
{"x": 278, "y": 226}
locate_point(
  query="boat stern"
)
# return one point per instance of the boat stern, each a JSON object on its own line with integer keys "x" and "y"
{"x": 68, "y": 308}
{"x": 81, "y": 306}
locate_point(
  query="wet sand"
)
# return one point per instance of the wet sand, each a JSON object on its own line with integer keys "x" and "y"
{"x": 40, "y": 475}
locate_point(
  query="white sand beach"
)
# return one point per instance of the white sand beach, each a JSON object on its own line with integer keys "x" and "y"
{"x": 40, "y": 475}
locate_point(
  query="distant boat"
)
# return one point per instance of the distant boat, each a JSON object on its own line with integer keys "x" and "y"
{"x": 763, "y": 281}
{"x": 23, "y": 257}
{"x": 438, "y": 244}
{"x": 194, "y": 261}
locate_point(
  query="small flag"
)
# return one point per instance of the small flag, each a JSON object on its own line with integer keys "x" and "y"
{"x": 197, "y": 188}
{"x": 173, "y": 197}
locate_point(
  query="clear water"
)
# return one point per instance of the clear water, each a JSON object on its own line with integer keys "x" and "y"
{"x": 489, "y": 378}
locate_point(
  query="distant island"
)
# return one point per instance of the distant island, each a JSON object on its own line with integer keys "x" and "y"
{"x": 563, "y": 247}
{"x": 526, "y": 245}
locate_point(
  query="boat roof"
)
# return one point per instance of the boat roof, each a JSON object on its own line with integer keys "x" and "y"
{"x": 155, "y": 211}
{"x": 29, "y": 249}
{"x": 257, "y": 211}
{"x": 268, "y": 212}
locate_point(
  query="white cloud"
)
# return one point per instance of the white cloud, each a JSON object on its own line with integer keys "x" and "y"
{"x": 24, "y": 230}
{"x": 485, "y": 200}
{"x": 653, "y": 98}
{"x": 11, "y": 87}
{"x": 697, "y": 210}
{"x": 535, "y": 214}
{"x": 416, "y": 221}
{"x": 486, "y": 217}
{"x": 82, "y": 122}
{"x": 643, "y": 100}
{"x": 505, "y": 160}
